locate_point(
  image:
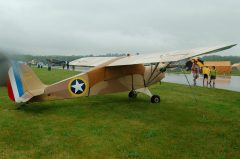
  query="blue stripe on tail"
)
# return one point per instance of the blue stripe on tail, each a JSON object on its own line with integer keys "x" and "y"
{"x": 16, "y": 71}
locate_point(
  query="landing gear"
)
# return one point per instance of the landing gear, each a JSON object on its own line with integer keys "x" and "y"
{"x": 132, "y": 94}
{"x": 155, "y": 99}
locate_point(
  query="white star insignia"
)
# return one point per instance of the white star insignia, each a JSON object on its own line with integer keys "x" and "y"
{"x": 77, "y": 87}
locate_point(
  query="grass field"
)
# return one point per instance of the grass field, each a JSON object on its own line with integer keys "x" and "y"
{"x": 113, "y": 126}
{"x": 235, "y": 73}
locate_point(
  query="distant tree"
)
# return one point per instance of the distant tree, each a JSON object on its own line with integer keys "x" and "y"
{"x": 233, "y": 59}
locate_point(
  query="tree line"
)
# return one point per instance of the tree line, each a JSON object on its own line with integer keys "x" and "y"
{"x": 26, "y": 58}
{"x": 233, "y": 59}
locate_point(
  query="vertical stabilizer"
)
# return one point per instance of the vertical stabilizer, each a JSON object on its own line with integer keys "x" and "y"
{"x": 23, "y": 84}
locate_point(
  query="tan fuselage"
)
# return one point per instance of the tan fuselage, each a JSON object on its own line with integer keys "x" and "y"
{"x": 105, "y": 80}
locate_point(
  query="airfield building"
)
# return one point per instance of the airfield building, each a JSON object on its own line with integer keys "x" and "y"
{"x": 222, "y": 67}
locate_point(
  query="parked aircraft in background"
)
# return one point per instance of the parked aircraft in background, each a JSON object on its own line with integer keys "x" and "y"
{"x": 55, "y": 62}
{"x": 109, "y": 75}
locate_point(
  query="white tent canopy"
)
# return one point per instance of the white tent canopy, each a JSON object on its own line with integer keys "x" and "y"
{"x": 236, "y": 65}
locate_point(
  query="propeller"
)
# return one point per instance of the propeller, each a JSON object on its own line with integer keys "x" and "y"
{"x": 4, "y": 66}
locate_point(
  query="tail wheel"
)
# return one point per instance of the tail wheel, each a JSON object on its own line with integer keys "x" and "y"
{"x": 155, "y": 99}
{"x": 132, "y": 94}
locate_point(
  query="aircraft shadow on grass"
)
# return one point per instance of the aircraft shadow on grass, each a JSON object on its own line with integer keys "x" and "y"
{"x": 116, "y": 101}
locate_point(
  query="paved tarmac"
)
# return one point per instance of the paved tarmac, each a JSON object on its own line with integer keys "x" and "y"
{"x": 229, "y": 82}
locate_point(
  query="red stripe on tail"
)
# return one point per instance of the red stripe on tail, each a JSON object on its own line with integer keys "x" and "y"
{"x": 10, "y": 91}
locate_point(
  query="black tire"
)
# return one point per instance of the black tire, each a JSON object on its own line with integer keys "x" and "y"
{"x": 155, "y": 99}
{"x": 132, "y": 94}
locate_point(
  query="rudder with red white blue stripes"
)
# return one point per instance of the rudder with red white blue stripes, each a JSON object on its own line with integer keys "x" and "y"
{"x": 23, "y": 83}
{"x": 15, "y": 85}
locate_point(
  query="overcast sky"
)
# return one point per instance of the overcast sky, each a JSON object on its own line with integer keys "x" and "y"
{"x": 80, "y": 27}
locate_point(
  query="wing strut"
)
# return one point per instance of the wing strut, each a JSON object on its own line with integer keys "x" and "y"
{"x": 162, "y": 70}
{"x": 189, "y": 84}
{"x": 152, "y": 72}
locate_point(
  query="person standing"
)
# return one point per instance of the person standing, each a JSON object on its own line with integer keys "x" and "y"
{"x": 205, "y": 72}
{"x": 213, "y": 74}
{"x": 63, "y": 66}
{"x": 67, "y": 65}
{"x": 195, "y": 72}
{"x": 49, "y": 66}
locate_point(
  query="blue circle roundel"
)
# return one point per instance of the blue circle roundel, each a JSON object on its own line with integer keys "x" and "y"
{"x": 77, "y": 86}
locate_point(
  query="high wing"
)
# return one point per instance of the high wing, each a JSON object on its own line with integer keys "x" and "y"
{"x": 147, "y": 58}
{"x": 91, "y": 61}
{"x": 168, "y": 57}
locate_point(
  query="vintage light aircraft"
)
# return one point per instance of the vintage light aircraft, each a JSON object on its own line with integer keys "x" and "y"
{"x": 108, "y": 75}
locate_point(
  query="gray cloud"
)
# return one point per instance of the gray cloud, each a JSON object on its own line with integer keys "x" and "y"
{"x": 117, "y": 26}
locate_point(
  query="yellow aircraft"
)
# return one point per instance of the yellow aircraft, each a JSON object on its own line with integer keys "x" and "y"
{"x": 108, "y": 75}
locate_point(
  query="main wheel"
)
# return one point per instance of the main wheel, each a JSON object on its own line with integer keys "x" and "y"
{"x": 155, "y": 99}
{"x": 132, "y": 94}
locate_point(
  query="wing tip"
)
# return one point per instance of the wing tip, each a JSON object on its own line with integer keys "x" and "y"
{"x": 231, "y": 45}
{"x": 228, "y": 46}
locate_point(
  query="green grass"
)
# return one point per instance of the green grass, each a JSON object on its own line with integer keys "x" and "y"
{"x": 50, "y": 77}
{"x": 235, "y": 73}
{"x": 112, "y": 126}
